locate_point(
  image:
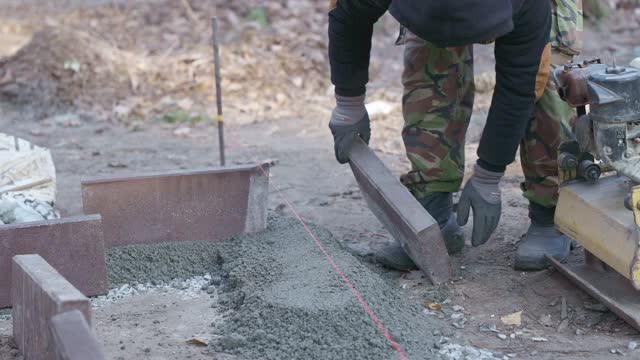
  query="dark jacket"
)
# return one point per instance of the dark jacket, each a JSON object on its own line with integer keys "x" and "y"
{"x": 520, "y": 29}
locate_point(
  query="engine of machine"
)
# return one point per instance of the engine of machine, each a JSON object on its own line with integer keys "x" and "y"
{"x": 610, "y": 131}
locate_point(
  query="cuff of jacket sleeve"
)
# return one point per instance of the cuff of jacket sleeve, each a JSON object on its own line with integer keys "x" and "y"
{"x": 351, "y": 92}
{"x": 490, "y": 167}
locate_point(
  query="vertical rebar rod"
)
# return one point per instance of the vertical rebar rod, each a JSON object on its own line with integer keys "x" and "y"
{"x": 216, "y": 61}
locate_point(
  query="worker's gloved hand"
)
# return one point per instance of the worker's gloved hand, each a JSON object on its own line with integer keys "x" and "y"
{"x": 482, "y": 194}
{"x": 349, "y": 120}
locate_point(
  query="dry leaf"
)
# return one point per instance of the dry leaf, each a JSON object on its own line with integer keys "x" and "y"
{"x": 197, "y": 342}
{"x": 512, "y": 319}
{"x": 432, "y": 306}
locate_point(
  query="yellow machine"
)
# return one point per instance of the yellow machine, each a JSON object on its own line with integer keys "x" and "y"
{"x": 602, "y": 212}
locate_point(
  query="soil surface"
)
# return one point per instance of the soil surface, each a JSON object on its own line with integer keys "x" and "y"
{"x": 278, "y": 100}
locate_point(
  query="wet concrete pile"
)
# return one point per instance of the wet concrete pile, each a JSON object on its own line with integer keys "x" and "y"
{"x": 283, "y": 299}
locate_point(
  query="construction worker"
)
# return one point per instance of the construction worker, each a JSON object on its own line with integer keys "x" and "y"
{"x": 438, "y": 100}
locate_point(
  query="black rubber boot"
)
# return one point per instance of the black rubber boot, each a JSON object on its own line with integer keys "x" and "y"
{"x": 541, "y": 239}
{"x": 440, "y": 206}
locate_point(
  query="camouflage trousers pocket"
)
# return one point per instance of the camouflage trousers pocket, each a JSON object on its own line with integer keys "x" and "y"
{"x": 567, "y": 27}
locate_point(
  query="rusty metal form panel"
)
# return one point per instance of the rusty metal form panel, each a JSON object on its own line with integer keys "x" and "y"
{"x": 73, "y": 246}
{"x": 206, "y": 205}
{"x": 39, "y": 292}
{"x": 401, "y": 214}
{"x": 73, "y": 338}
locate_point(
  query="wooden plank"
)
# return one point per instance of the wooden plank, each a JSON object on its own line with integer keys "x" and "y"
{"x": 401, "y": 214}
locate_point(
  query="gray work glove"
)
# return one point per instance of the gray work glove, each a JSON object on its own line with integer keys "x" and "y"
{"x": 349, "y": 120}
{"x": 482, "y": 194}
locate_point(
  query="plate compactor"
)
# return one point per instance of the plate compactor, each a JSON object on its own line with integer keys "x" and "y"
{"x": 599, "y": 173}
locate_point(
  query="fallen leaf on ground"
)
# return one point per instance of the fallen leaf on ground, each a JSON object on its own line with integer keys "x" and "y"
{"x": 432, "y": 305}
{"x": 197, "y": 342}
{"x": 514, "y": 319}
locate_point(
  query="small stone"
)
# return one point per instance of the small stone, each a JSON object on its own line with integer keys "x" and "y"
{"x": 545, "y": 320}
{"x": 457, "y": 308}
{"x": 215, "y": 280}
{"x": 534, "y": 353}
{"x": 632, "y": 345}
{"x": 147, "y": 350}
{"x": 539, "y": 339}
{"x": 122, "y": 347}
{"x": 457, "y": 325}
{"x": 463, "y": 267}
{"x": 579, "y": 332}
{"x": 211, "y": 289}
{"x": 232, "y": 341}
{"x": 204, "y": 287}
{"x": 502, "y": 336}
{"x": 207, "y": 277}
{"x": 511, "y": 355}
{"x": 259, "y": 335}
{"x": 437, "y": 333}
{"x": 513, "y": 336}
{"x": 563, "y": 325}
{"x": 488, "y": 328}
{"x": 472, "y": 351}
{"x": 597, "y": 307}
{"x": 457, "y": 316}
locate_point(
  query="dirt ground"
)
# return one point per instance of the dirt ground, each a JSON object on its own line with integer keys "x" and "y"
{"x": 278, "y": 101}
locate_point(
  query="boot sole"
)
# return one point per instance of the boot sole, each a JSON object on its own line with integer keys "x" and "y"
{"x": 537, "y": 263}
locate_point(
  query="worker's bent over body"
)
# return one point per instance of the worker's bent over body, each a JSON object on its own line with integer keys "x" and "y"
{"x": 437, "y": 104}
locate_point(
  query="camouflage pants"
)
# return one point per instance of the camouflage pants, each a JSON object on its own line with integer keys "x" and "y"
{"x": 437, "y": 104}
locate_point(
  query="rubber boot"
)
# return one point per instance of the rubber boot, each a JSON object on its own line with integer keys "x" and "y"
{"x": 440, "y": 206}
{"x": 541, "y": 239}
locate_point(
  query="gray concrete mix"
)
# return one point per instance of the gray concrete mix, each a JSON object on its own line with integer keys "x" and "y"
{"x": 281, "y": 298}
